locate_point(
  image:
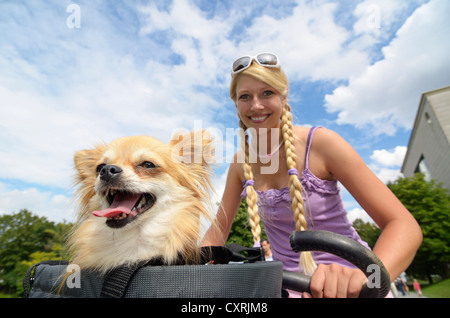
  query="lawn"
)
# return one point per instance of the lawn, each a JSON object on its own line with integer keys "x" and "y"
{"x": 437, "y": 290}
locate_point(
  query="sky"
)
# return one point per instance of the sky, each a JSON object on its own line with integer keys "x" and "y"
{"x": 77, "y": 73}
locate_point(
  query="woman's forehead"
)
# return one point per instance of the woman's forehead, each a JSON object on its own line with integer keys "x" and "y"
{"x": 246, "y": 82}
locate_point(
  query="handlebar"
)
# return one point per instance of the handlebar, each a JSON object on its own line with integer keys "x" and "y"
{"x": 344, "y": 247}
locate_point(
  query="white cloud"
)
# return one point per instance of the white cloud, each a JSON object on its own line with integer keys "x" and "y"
{"x": 202, "y": 42}
{"x": 389, "y": 159}
{"x": 376, "y": 17}
{"x": 386, "y": 95}
{"x": 310, "y": 43}
{"x": 55, "y": 207}
{"x": 386, "y": 164}
{"x": 386, "y": 175}
{"x": 358, "y": 213}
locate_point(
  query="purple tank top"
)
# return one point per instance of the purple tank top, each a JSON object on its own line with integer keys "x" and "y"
{"x": 324, "y": 211}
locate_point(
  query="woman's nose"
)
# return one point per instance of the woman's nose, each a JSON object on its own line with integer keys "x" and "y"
{"x": 256, "y": 104}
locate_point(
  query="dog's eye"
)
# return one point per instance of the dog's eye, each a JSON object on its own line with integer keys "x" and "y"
{"x": 99, "y": 168}
{"x": 147, "y": 165}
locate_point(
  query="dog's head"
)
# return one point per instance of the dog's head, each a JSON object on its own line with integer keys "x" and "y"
{"x": 145, "y": 191}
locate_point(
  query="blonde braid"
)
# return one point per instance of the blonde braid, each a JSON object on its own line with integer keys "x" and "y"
{"x": 251, "y": 196}
{"x": 295, "y": 187}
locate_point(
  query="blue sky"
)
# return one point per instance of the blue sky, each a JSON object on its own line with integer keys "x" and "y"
{"x": 74, "y": 73}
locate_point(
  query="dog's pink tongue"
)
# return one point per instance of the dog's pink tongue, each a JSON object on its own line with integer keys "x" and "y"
{"x": 123, "y": 203}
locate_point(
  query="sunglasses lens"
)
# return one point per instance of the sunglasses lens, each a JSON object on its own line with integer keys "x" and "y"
{"x": 263, "y": 59}
{"x": 241, "y": 63}
{"x": 267, "y": 59}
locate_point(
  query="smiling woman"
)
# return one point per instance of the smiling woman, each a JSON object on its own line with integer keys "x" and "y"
{"x": 303, "y": 193}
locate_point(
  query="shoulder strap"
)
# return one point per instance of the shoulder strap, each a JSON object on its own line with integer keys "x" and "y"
{"x": 308, "y": 145}
{"x": 116, "y": 281}
{"x": 242, "y": 253}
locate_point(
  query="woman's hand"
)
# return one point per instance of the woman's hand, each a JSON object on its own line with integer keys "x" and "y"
{"x": 335, "y": 281}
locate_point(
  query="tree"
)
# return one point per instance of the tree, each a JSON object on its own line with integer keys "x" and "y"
{"x": 21, "y": 235}
{"x": 429, "y": 203}
{"x": 368, "y": 232}
{"x": 240, "y": 232}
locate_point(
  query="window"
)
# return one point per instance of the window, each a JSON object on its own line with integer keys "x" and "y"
{"x": 422, "y": 167}
{"x": 428, "y": 118}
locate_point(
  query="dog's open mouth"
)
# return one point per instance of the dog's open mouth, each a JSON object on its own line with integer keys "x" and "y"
{"x": 125, "y": 207}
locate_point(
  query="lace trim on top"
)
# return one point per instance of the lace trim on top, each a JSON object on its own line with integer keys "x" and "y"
{"x": 310, "y": 183}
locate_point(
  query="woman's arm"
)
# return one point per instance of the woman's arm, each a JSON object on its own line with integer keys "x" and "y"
{"x": 217, "y": 235}
{"x": 401, "y": 235}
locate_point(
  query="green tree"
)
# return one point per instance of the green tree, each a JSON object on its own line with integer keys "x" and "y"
{"x": 21, "y": 235}
{"x": 240, "y": 232}
{"x": 368, "y": 232}
{"x": 429, "y": 203}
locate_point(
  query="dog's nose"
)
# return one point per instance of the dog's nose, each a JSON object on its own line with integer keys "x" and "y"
{"x": 109, "y": 172}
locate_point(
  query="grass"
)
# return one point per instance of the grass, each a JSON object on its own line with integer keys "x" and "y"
{"x": 437, "y": 290}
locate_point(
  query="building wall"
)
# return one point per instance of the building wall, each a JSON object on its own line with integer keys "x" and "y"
{"x": 430, "y": 137}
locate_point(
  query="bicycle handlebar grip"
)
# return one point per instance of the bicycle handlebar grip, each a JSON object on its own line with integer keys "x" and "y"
{"x": 344, "y": 247}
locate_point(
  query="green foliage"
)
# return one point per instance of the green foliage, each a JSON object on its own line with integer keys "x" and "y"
{"x": 368, "y": 232}
{"x": 240, "y": 232}
{"x": 26, "y": 239}
{"x": 429, "y": 203}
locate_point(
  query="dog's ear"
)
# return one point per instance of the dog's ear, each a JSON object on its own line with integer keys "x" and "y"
{"x": 194, "y": 154}
{"x": 196, "y": 147}
{"x": 86, "y": 161}
{"x": 86, "y": 164}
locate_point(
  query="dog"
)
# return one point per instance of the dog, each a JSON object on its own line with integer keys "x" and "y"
{"x": 139, "y": 199}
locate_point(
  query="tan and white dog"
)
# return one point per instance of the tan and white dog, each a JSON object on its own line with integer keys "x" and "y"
{"x": 138, "y": 201}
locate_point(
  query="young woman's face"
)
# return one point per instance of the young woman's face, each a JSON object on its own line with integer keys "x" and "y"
{"x": 258, "y": 104}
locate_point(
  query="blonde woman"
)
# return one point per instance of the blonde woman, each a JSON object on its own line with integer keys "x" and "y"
{"x": 302, "y": 193}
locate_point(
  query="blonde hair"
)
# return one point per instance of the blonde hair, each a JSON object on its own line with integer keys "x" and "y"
{"x": 277, "y": 79}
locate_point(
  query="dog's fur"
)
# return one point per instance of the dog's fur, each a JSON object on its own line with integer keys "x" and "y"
{"x": 178, "y": 198}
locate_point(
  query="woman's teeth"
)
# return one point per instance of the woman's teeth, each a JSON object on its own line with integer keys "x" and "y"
{"x": 259, "y": 118}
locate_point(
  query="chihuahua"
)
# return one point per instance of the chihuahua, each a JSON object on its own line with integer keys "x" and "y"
{"x": 141, "y": 199}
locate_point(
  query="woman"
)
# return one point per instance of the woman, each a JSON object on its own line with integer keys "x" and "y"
{"x": 286, "y": 200}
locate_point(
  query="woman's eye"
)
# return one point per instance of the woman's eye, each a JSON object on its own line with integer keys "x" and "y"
{"x": 267, "y": 93}
{"x": 244, "y": 97}
{"x": 147, "y": 165}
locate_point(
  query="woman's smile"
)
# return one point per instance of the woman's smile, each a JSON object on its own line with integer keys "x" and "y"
{"x": 258, "y": 103}
{"x": 258, "y": 119}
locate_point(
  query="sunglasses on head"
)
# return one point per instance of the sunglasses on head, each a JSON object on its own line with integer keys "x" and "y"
{"x": 263, "y": 59}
